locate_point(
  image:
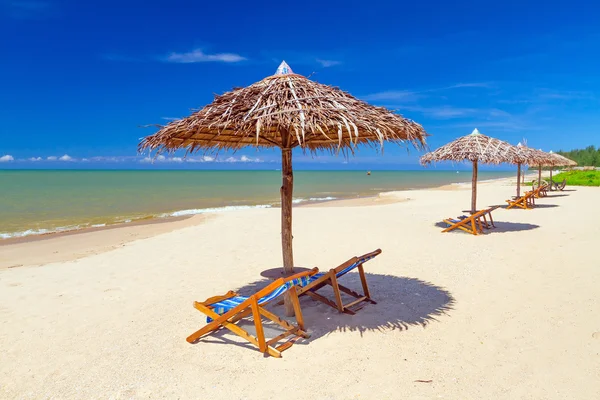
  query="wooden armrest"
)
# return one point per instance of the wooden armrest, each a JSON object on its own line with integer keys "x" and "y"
{"x": 215, "y": 299}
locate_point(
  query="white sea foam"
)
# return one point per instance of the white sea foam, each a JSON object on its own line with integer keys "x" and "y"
{"x": 297, "y": 201}
{"x": 179, "y": 213}
{"x": 212, "y": 210}
{"x": 30, "y": 232}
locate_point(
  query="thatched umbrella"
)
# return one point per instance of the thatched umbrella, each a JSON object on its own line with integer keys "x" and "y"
{"x": 285, "y": 110}
{"x": 530, "y": 156}
{"x": 560, "y": 161}
{"x": 477, "y": 148}
{"x": 551, "y": 160}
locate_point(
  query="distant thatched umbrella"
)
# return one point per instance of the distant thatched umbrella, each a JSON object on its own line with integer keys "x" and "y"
{"x": 560, "y": 161}
{"x": 285, "y": 110}
{"x": 551, "y": 160}
{"x": 531, "y": 157}
{"x": 476, "y": 148}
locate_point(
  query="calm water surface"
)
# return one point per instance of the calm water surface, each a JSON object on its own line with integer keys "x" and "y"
{"x": 39, "y": 201}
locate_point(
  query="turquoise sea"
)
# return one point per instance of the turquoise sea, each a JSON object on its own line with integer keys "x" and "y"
{"x": 42, "y": 201}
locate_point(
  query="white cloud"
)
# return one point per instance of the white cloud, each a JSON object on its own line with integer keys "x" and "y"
{"x": 196, "y": 56}
{"x": 199, "y": 159}
{"x": 244, "y": 159}
{"x": 7, "y": 158}
{"x": 52, "y": 158}
{"x": 66, "y": 157}
{"x": 395, "y": 95}
{"x": 443, "y": 112}
{"x": 328, "y": 63}
{"x": 34, "y": 159}
{"x": 413, "y": 95}
{"x": 85, "y": 160}
{"x": 162, "y": 159}
{"x": 231, "y": 159}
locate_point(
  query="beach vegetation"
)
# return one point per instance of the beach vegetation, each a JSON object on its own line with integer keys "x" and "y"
{"x": 590, "y": 156}
{"x": 579, "y": 178}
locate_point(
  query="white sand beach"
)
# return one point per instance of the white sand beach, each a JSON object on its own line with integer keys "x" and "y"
{"x": 513, "y": 314}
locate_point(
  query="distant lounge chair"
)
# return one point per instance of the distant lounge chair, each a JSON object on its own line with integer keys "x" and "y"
{"x": 472, "y": 224}
{"x": 331, "y": 277}
{"x": 541, "y": 191}
{"x": 525, "y": 202}
{"x": 560, "y": 186}
{"x": 224, "y": 311}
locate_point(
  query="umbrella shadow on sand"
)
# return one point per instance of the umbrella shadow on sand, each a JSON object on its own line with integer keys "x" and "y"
{"x": 402, "y": 302}
{"x": 501, "y": 227}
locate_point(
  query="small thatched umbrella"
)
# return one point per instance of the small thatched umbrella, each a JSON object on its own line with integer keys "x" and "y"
{"x": 477, "y": 148}
{"x": 285, "y": 110}
{"x": 560, "y": 161}
{"x": 530, "y": 156}
{"x": 551, "y": 160}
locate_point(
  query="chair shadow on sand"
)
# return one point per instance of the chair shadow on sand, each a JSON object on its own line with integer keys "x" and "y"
{"x": 402, "y": 302}
{"x": 501, "y": 227}
{"x": 538, "y": 204}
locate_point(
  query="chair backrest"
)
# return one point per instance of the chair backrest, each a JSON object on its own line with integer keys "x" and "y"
{"x": 281, "y": 285}
{"x": 355, "y": 262}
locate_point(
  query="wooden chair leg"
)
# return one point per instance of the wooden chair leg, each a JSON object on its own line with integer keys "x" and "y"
{"x": 336, "y": 291}
{"x": 260, "y": 333}
{"x": 363, "y": 281}
{"x": 297, "y": 309}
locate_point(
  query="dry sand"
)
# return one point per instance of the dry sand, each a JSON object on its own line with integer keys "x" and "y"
{"x": 509, "y": 315}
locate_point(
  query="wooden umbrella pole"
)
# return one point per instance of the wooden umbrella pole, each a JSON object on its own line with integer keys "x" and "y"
{"x": 519, "y": 180}
{"x": 474, "y": 188}
{"x": 540, "y": 175}
{"x": 287, "y": 189}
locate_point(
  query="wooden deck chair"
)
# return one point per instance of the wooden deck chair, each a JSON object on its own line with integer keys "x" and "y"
{"x": 541, "y": 191}
{"x": 224, "y": 311}
{"x": 331, "y": 277}
{"x": 471, "y": 224}
{"x": 488, "y": 213}
{"x": 560, "y": 186}
{"x": 525, "y": 202}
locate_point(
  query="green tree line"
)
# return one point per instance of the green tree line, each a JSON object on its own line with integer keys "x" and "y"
{"x": 590, "y": 156}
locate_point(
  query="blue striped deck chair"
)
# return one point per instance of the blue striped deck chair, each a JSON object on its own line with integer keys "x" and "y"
{"x": 331, "y": 277}
{"x": 224, "y": 311}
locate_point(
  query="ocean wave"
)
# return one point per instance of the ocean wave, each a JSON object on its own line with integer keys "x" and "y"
{"x": 297, "y": 201}
{"x": 195, "y": 211}
{"x": 40, "y": 231}
{"x": 180, "y": 213}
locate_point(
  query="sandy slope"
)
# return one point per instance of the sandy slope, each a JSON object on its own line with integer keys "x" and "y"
{"x": 509, "y": 315}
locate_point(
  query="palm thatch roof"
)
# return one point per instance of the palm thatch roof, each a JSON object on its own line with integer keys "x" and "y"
{"x": 534, "y": 157}
{"x": 475, "y": 147}
{"x": 285, "y": 110}
{"x": 562, "y": 161}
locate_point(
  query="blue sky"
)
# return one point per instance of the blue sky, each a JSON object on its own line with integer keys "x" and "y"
{"x": 78, "y": 79}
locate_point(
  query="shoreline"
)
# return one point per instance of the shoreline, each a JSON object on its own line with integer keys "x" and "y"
{"x": 70, "y": 245}
{"x": 77, "y": 243}
{"x": 42, "y": 233}
{"x": 50, "y": 248}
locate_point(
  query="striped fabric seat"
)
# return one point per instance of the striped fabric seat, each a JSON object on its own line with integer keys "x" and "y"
{"x": 331, "y": 279}
{"x": 221, "y": 307}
